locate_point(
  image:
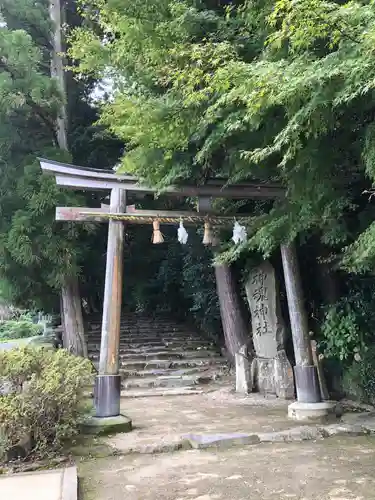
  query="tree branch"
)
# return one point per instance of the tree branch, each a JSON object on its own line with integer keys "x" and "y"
{"x": 37, "y": 109}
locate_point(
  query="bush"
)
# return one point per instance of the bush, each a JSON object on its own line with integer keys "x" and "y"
{"x": 359, "y": 378}
{"x": 347, "y": 329}
{"x": 47, "y": 400}
{"x": 24, "y": 328}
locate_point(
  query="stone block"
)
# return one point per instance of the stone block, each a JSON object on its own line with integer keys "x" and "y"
{"x": 243, "y": 375}
{"x": 268, "y": 327}
{"x": 106, "y": 425}
{"x": 284, "y": 379}
{"x": 264, "y": 373}
{"x": 313, "y": 412}
{"x": 202, "y": 441}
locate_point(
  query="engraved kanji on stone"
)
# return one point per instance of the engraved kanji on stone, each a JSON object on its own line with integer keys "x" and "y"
{"x": 258, "y": 329}
{"x": 260, "y": 294}
{"x": 261, "y": 311}
{"x": 259, "y": 278}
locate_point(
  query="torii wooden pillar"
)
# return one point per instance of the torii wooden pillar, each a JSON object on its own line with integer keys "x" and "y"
{"x": 108, "y": 381}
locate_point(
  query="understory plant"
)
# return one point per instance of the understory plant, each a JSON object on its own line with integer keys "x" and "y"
{"x": 19, "y": 329}
{"x": 42, "y": 396}
{"x": 348, "y": 338}
{"x": 343, "y": 337}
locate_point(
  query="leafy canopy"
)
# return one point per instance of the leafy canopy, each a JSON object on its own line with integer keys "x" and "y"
{"x": 274, "y": 90}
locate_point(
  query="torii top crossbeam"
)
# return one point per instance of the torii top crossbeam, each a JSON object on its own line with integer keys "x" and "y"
{"x": 75, "y": 177}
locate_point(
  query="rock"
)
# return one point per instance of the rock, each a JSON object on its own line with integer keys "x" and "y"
{"x": 284, "y": 379}
{"x": 243, "y": 376}
{"x": 264, "y": 371}
{"x": 271, "y": 370}
{"x": 227, "y": 440}
{"x": 21, "y": 450}
{"x": 267, "y": 323}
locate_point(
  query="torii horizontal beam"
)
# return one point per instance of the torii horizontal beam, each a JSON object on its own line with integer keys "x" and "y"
{"x": 84, "y": 178}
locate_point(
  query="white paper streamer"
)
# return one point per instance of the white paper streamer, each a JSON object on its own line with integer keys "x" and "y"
{"x": 239, "y": 233}
{"x": 182, "y": 234}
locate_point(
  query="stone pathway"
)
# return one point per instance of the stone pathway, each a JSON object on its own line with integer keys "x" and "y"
{"x": 147, "y": 466}
{"x": 57, "y": 484}
{"x": 160, "y": 424}
{"x": 335, "y": 469}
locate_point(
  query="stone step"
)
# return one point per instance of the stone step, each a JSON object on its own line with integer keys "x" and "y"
{"x": 145, "y": 326}
{"x": 149, "y": 335}
{"x": 146, "y": 356}
{"x": 161, "y": 392}
{"x": 152, "y": 349}
{"x": 176, "y": 344}
{"x": 157, "y": 354}
{"x": 133, "y": 367}
{"x": 166, "y": 372}
{"x": 145, "y": 383}
{"x": 163, "y": 363}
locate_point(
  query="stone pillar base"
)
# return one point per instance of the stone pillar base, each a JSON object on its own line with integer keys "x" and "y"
{"x": 314, "y": 412}
{"x": 107, "y": 394}
{"x": 273, "y": 376}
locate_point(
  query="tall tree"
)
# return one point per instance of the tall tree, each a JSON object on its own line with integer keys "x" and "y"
{"x": 38, "y": 255}
{"x": 71, "y": 305}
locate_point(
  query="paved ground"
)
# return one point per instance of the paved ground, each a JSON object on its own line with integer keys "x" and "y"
{"x": 162, "y": 421}
{"x": 338, "y": 468}
{"x": 57, "y": 484}
{"x": 119, "y": 468}
{"x": 333, "y": 469}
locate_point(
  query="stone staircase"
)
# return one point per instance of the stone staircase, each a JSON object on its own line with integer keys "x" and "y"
{"x": 159, "y": 353}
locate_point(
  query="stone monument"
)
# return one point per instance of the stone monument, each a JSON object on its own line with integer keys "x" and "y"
{"x": 244, "y": 383}
{"x": 271, "y": 370}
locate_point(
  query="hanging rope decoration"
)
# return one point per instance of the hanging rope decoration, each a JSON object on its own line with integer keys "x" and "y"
{"x": 182, "y": 234}
{"x": 239, "y": 233}
{"x": 148, "y": 219}
{"x": 157, "y": 237}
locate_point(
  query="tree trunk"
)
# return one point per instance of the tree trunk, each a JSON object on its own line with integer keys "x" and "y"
{"x": 71, "y": 312}
{"x": 306, "y": 377}
{"x": 72, "y": 319}
{"x": 57, "y": 69}
{"x": 234, "y": 326}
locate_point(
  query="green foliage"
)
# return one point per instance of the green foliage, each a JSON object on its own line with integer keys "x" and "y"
{"x": 348, "y": 326}
{"x": 272, "y": 90}
{"x": 47, "y": 401}
{"x": 20, "y": 329}
{"x": 359, "y": 378}
{"x": 343, "y": 338}
{"x": 37, "y": 254}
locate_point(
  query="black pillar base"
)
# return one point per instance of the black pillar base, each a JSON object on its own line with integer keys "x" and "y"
{"x": 107, "y": 395}
{"x": 307, "y": 384}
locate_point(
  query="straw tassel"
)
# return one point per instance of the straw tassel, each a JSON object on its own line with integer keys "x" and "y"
{"x": 208, "y": 236}
{"x": 157, "y": 237}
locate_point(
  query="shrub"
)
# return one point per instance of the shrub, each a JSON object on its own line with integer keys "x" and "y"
{"x": 47, "y": 399}
{"x": 359, "y": 378}
{"x": 345, "y": 330}
{"x": 24, "y": 328}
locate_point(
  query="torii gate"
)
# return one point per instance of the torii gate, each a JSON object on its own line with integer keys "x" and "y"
{"x": 108, "y": 381}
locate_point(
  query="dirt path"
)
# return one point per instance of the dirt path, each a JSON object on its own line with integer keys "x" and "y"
{"x": 335, "y": 469}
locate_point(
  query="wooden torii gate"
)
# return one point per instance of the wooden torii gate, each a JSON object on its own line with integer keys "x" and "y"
{"x": 108, "y": 381}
